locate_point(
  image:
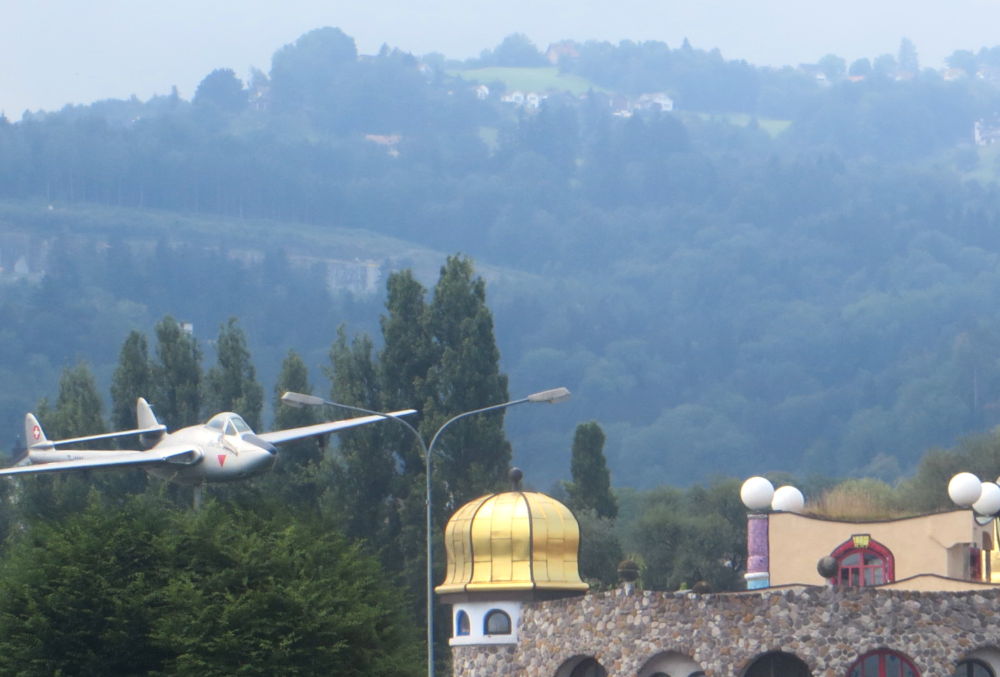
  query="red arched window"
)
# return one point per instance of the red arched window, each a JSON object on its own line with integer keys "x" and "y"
{"x": 862, "y": 561}
{"x": 883, "y": 663}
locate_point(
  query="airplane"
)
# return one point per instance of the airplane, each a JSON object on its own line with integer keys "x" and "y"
{"x": 224, "y": 449}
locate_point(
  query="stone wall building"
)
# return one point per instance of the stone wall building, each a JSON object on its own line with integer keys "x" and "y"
{"x": 848, "y": 616}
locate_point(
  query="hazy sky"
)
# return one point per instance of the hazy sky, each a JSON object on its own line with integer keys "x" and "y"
{"x": 54, "y": 52}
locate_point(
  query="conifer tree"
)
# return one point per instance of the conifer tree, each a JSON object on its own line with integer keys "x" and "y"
{"x": 176, "y": 375}
{"x": 132, "y": 379}
{"x": 367, "y": 466}
{"x": 231, "y": 385}
{"x": 405, "y": 360}
{"x": 473, "y": 456}
{"x": 78, "y": 406}
{"x": 294, "y": 376}
{"x": 591, "y": 485}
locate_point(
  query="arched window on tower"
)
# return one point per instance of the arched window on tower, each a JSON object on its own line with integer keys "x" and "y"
{"x": 589, "y": 668}
{"x": 862, "y": 561}
{"x": 883, "y": 663}
{"x": 778, "y": 664}
{"x": 973, "y": 668}
{"x": 497, "y": 623}
{"x": 462, "y": 626}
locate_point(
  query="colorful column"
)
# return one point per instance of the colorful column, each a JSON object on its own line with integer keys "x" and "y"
{"x": 758, "y": 565}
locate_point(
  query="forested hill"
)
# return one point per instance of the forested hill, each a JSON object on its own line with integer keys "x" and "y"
{"x": 735, "y": 269}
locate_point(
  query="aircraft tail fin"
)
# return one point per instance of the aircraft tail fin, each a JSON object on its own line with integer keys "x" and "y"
{"x": 146, "y": 420}
{"x": 34, "y": 436}
{"x": 144, "y": 416}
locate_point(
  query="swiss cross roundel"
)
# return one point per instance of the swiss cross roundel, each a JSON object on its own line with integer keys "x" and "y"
{"x": 36, "y": 432}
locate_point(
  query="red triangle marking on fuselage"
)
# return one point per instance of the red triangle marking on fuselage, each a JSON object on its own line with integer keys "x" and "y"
{"x": 222, "y": 459}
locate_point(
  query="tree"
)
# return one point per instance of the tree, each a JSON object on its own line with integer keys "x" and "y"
{"x": 366, "y": 464}
{"x": 220, "y": 91}
{"x": 473, "y": 456}
{"x": 140, "y": 587}
{"x": 303, "y": 73}
{"x": 231, "y": 385}
{"x": 833, "y": 67}
{"x": 78, "y": 406}
{"x": 591, "y": 485}
{"x": 132, "y": 379}
{"x": 860, "y": 68}
{"x": 294, "y": 377}
{"x": 176, "y": 375}
{"x": 405, "y": 359}
{"x": 516, "y": 50}
{"x": 907, "y": 58}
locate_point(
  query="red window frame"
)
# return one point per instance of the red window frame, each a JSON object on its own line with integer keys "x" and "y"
{"x": 865, "y": 571}
{"x": 883, "y": 663}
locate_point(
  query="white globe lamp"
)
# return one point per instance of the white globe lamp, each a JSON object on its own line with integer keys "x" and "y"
{"x": 756, "y": 493}
{"x": 988, "y": 503}
{"x": 788, "y": 499}
{"x": 964, "y": 489}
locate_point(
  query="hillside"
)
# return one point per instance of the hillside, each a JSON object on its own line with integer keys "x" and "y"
{"x": 783, "y": 272}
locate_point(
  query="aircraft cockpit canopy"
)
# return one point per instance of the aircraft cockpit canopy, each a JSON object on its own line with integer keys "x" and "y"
{"x": 228, "y": 423}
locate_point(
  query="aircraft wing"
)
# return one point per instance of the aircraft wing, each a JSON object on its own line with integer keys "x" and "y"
{"x": 109, "y": 459}
{"x": 279, "y": 436}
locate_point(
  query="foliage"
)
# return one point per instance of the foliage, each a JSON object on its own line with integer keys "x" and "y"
{"x": 814, "y": 300}
{"x": 132, "y": 379}
{"x": 145, "y": 588}
{"x": 591, "y": 485}
{"x": 232, "y": 384}
{"x": 176, "y": 375}
{"x": 475, "y": 456}
{"x": 683, "y": 537}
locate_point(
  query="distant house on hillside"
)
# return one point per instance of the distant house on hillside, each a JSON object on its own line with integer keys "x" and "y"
{"x": 657, "y": 101}
{"x": 561, "y": 50}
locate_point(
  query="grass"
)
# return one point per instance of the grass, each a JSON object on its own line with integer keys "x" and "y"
{"x": 541, "y": 79}
{"x": 860, "y": 499}
{"x": 772, "y": 127}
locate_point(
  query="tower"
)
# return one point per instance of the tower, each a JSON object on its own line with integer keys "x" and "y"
{"x": 503, "y": 550}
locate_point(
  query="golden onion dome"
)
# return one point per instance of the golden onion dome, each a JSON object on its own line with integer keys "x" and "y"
{"x": 519, "y": 543}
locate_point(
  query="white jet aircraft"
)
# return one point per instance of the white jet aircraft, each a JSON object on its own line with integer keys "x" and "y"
{"x": 222, "y": 450}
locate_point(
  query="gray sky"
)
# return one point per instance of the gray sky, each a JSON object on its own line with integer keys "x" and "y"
{"x": 54, "y": 52}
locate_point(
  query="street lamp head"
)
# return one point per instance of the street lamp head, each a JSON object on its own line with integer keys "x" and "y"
{"x": 302, "y": 400}
{"x": 552, "y": 396}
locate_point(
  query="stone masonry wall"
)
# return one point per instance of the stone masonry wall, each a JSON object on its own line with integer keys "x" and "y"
{"x": 828, "y": 628}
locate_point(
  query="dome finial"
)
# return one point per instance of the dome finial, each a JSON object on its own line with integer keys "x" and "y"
{"x": 515, "y": 475}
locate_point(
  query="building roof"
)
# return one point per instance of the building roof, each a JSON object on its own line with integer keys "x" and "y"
{"x": 519, "y": 542}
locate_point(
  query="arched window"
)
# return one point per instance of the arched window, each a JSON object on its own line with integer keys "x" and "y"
{"x": 778, "y": 664}
{"x": 589, "y": 668}
{"x": 497, "y": 623}
{"x": 862, "y": 561}
{"x": 883, "y": 663}
{"x": 973, "y": 668}
{"x": 462, "y": 624}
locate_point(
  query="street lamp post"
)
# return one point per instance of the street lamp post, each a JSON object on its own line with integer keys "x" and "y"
{"x": 551, "y": 396}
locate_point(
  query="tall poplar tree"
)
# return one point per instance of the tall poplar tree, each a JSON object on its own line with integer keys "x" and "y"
{"x": 132, "y": 379}
{"x": 176, "y": 375}
{"x": 366, "y": 461}
{"x": 591, "y": 485}
{"x": 405, "y": 360}
{"x": 77, "y": 412}
{"x": 78, "y": 406}
{"x": 294, "y": 376}
{"x": 231, "y": 385}
{"x": 473, "y": 456}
